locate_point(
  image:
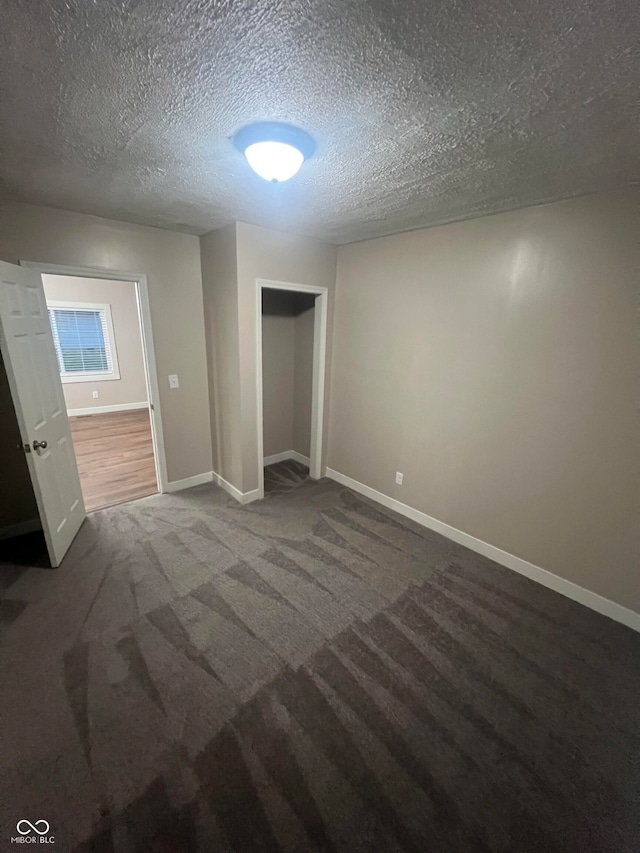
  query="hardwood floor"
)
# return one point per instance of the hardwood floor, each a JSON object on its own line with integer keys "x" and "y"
{"x": 115, "y": 457}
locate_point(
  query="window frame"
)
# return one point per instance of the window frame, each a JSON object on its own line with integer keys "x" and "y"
{"x": 94, "y": 375}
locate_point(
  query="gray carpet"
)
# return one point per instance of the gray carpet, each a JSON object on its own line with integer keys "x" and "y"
{"x": 282, "y": 477}
{"x": 310, "y": 672}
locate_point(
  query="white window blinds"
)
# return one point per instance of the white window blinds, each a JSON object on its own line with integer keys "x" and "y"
{"x": 83, "y": 340}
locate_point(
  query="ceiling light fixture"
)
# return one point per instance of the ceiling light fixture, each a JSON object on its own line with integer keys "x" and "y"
{"x": 274, "y": 151}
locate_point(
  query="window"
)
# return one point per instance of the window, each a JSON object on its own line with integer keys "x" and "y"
{"x": 84, "y": 341}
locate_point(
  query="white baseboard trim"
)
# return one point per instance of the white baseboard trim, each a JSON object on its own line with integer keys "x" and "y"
{"x": 571, "y": 590}
{"x": 277, "y": 457}
{"x": 19, "y": 529}
{"x": 284, "y": 455}
{"x": 241, "y": 497}
{"x": 298, "y": 457}
{"x": 211, "y": 476}
{"x": 102, "y": 410}
{"x": 189, "y": 482}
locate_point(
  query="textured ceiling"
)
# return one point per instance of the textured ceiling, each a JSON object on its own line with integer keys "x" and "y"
{"x": 423, "y": 112}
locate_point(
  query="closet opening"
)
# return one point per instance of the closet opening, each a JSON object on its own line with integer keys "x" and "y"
{"x": 291, "y": 354}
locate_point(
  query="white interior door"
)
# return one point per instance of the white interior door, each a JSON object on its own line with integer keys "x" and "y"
{"x": 34, "y": 379}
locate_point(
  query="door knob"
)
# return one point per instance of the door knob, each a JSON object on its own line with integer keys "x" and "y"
{"x": 39, "y": 445}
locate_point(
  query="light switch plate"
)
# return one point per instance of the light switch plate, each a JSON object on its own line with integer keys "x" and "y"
{"x": 173, "y": 380}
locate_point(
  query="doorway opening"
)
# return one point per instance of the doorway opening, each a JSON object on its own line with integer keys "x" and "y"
{"x": 34, "y": 408}
{"x": 98, "y": 344}
{"x": 291, "y": 322}
{"x": 102, "y": 339}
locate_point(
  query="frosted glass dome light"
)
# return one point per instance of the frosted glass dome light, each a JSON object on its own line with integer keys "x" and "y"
{"x": 274, "y": 161}
{"x": 274, "y": 151}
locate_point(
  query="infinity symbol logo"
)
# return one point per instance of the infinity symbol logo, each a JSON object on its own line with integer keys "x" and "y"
{"x": 31, "y": 827}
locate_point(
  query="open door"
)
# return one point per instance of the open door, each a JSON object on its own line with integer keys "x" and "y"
{"x": 34, "y": 379}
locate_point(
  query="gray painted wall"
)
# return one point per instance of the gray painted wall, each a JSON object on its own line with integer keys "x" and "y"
{"x": 171, "y": 263}
{"x": 287, "y": 378}
{"x": 495, "y": 363}
{"x": 220, "y": 297}
{"x": 232, "y": 259}
{"x": 278, "y": 369}
{"x": 274, "y": 255}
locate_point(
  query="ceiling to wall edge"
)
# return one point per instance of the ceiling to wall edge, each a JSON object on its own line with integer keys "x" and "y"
{"x": 634, "y": 185}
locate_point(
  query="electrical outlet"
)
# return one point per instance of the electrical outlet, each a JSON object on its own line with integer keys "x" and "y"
{"x": 173, "y": 381}
{"x": 95, "y": 395}
{"x": 399, "y": 478}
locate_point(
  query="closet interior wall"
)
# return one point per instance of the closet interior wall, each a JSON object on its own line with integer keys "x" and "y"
{"x": 287, "y": 365}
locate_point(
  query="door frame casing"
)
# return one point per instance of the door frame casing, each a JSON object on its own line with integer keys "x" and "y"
{"x": 319, "y": 372}
{"x": 148, "y": 350}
